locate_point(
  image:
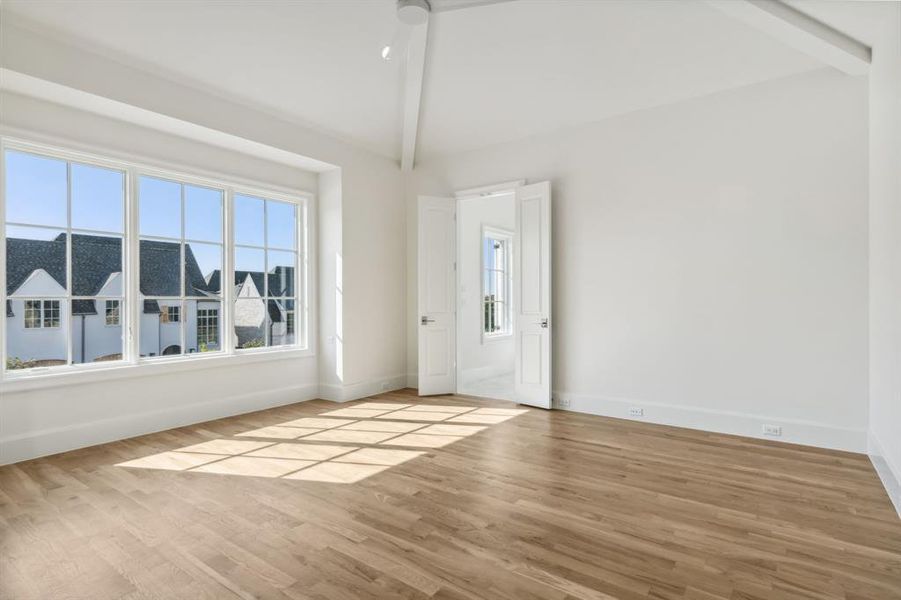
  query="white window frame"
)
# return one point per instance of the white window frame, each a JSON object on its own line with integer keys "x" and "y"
{"x": 131, "y": 363}
{"x": 506, "y": 236}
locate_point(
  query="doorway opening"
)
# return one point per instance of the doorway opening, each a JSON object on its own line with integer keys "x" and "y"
{"x": 485, "y": 359}
{"x": 484, "y": 293}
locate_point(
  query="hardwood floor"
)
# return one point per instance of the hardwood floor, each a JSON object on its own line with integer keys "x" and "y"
{"x": 546, "y": 504}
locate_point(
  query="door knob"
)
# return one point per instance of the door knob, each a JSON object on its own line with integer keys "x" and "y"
{"x": 544, "y": 323}
{"x": 425, "y": 320}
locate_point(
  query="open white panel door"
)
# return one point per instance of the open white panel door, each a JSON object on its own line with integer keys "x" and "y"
{"x": 532, "y": 295}
{"x": 437, "y": 295}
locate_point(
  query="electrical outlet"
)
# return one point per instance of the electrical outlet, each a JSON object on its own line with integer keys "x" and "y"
{"x": 636, "y": 412}
{"x": 775, "y": 430}
{"x": 562, "y": 402}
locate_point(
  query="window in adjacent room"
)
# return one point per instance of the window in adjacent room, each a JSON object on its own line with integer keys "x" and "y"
{"x": 496, "y": 283}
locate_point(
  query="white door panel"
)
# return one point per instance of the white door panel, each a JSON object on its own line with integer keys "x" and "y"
{"x": 437, "y": 295}
{"x": 532, "y": 295}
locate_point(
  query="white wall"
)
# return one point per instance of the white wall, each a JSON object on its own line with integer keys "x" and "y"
{"x": 480, "y": 358}
{"x": 710, "y": 257}
{"x": 885, "y": 252}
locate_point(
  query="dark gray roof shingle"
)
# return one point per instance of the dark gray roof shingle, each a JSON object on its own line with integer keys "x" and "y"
{"x": 281, "y": 280}
{"x": 95, "y": 258}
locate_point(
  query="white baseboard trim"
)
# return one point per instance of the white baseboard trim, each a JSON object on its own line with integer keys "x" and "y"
{"x": 44, "y": 442}
{"x": 889, "y": 474}
{"x": 793, "y": 431}
{"x": 482, "y": 373}
{"x": 363, "y": 389}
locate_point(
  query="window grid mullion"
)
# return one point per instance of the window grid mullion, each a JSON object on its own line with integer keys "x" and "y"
{"x": 266, "y": 325}
{"x": 229, "y": 339}
{"x": 69, "y": 286}
{"x": 133, "y": 306}
{"x": 182, "y": 279}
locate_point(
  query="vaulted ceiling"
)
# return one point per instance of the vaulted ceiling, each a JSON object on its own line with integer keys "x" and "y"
{"x": 493, "y": 73}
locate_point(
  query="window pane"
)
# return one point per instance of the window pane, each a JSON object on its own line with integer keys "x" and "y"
{"x": 96, "y": 330}
{"x": 204, "y": 334}
{"x": 160, "y": 328}
{"x": 281, "y": 273}
{"x": 203, "y": 214}
{"x": 98, "y": 197}
{"x": 51, "y": 314}
{"x": 248, "y": 220}
{"x": 500, "y": 310}
{"x": 160, "y": 268}
{"x": 33, "y": 312}
{"x": 203, "y": 269}
{"x": 35, "y": 261}
{"x": 500, "y": 251}
{"x": 250, "y": 322}
{"x": 96, "y": 265}
{"x": 281, "y": 225}
{"x": 249, "y": 267}
{"x": 282, "y": 322}
{"x": 491, "y": 284}
{"x": 501, "y": 284}
{"x": 43, "y": 343}
{"x": 160, "y": 207}
{"x": 36, "y": 191}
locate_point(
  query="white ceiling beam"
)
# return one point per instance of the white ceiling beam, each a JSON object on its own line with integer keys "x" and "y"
{"x": 801, "y": 32}
{"x": 414, "y": 71}
{"x": 448, "y": 5}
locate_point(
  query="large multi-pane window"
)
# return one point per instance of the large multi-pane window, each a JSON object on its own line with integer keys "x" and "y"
{"x": 496, "y": 283}
{"x": 86, "y": 284}
{"x": 64, "y": 226}
{"x": 266, "y": 259}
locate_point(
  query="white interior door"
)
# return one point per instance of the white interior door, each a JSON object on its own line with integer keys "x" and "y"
{"x": 532, "y": 295}
{"x": 437, "y": 295}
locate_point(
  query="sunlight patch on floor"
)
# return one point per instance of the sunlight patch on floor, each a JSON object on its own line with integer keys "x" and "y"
{"x": 346, "y": 445}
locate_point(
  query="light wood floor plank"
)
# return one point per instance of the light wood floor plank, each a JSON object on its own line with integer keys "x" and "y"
{"x": 542, "y": 505}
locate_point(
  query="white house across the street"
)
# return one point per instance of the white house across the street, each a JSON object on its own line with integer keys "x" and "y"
{"x": 39, "y": 315}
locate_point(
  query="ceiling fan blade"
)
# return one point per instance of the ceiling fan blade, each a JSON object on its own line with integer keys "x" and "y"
{"x": 439, "y": 6}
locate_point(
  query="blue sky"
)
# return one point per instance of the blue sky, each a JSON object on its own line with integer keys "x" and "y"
{"x": 36, "y": 195}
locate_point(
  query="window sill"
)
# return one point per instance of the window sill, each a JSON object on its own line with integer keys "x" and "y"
{"x": 156, "y": 366}
{"x": 496, "y": 337}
